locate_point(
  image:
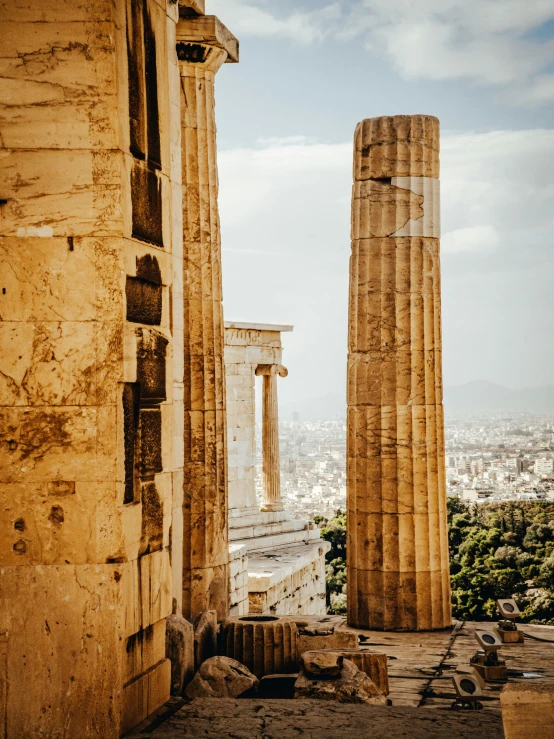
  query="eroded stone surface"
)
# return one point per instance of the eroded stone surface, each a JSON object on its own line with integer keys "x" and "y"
{"x": 180, "y": 650}
{"x": 398, "y": 576}
{"x": 265, "y": 644}
{"x": 221, "y": 677}
{"x": 321, "y": 664}
{"x": 276, "y": 719}
{"x": 350, "y": 686}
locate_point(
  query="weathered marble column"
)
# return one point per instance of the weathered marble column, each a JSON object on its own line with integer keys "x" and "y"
{"x": 398, "y": 576}
{"x": 203, "y": 45}
{"x": 270, "y": 436}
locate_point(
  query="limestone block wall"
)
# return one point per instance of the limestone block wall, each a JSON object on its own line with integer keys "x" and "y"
{"x": 238, "y": 580}
{"x": 289, "y": 581}
{"x": 91, "y": 367}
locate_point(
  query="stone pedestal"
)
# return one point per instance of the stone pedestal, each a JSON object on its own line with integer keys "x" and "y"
{"x": 203, "y": 45}
{"x": 398, "y": 576}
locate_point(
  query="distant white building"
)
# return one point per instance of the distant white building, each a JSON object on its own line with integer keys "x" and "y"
{"x": 544, "y": 467}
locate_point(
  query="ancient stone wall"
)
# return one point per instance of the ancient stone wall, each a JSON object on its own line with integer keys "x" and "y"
{"x": 93, "y": 388}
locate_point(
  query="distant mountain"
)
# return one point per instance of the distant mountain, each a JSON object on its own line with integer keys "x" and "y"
{"x": 472, "y": 397}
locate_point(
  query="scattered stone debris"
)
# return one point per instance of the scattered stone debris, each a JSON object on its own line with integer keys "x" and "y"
{"x": 179, "y": 648}
{"x": 351, "y": 686}
{"x": 322, "y": 664}
{"x": 333, "y": 639}
{"x": 221, "y": 677}
{"x": 205, "y": 637}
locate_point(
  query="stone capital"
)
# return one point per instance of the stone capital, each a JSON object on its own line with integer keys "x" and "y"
{"x": 203, "y": 41}
{"x": 271, "y": 369}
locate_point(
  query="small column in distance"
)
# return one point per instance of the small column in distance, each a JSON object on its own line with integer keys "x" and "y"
{"x": 270, "y": 436}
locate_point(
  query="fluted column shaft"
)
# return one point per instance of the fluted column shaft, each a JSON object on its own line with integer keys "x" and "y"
{"x": 398, "y": 577}
{"x": 205, "y": 538}
{"x": 270, "y": 436}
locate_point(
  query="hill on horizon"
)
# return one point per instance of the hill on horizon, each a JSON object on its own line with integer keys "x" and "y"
{"x": 471, "y": 397}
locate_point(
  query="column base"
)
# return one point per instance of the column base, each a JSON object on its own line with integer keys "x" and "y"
{"x": 272, "y": 507}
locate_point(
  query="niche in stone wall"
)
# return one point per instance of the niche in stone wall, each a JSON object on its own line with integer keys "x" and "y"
{"x": 144, "y": 292}
{"x": 142, "y": 417}
{"x": 144, "y": 125}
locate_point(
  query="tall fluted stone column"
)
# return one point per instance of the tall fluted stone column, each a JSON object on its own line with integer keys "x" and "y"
{"x": 398, "y": 576}
{"x": 203, "y": 45}
{"x": 270, "y": 436}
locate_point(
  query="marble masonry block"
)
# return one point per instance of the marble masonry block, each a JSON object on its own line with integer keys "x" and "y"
{"x": 206, "y": 586}
{"x": 58, "y": 280}
{"x": 336, "y": 640}
{"x": 265, "y": 644}
{"x": 155, "y": 587}
{"x": 144, "y": 649}
{"x": 145, "y": 693}
{"x": 51, "y": 194}
{"x": 60, "y": 10}
{"x": 58, "y": 84}
{"x": 69, "y": 363}
{"x": 528, "y": 710}
{"x": 83, "y": 689}
{"x": 67, "y": 522}
{"x": 41, "y": 444}
{"x": 396, "y": 146}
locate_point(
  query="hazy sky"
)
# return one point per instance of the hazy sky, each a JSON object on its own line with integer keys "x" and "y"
{"x": 309, "y": 71}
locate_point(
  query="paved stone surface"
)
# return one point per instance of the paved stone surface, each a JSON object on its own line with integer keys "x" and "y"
{"x": 281, "y": 719}
{"x": 421, "y": 692}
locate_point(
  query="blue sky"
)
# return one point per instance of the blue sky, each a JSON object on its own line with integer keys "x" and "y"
{"x": 309, "y": 71}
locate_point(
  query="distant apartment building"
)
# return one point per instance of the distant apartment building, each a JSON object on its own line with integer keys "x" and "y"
{"x": 544, "y": 467}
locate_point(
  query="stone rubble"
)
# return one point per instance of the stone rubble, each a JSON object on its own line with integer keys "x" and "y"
{"x": 221, "y": 677}
{"x": 350, "y": 686}
{"x": 179, "y": 649}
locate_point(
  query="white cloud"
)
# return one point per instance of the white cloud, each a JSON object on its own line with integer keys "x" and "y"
{"x": 468, "y": 239}
{"x": 486, "y": 41}
{"x": 253, "y": 18}
{"x": 285, "y": 212}
{"x": 541, "y": 90}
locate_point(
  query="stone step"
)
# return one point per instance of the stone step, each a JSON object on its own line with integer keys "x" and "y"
{"x": 244, "y": 533}
{"x": 258, "y": 544}
{"x": 257, "y": 518}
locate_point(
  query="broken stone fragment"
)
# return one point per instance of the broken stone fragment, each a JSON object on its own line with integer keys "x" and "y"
{"x": 221, "y": 677}
{"x": 317, "y": 630}
{"x": 351, "y": 686}
{"x": 179, "y": 648}
{"x": 205, "y": 637}
{"x": 322, "y": 664}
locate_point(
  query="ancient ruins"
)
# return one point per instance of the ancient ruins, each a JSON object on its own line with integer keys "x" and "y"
{"x": 398, "y": 576}
{"x": 138, "y": 567}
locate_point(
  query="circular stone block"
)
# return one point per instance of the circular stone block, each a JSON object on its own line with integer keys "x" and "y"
{"x": 267, "y": 645}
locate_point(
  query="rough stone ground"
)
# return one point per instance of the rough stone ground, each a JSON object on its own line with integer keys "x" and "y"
{"x": 281, "y": 719}
{"x": 421, "y": 692}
